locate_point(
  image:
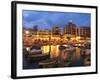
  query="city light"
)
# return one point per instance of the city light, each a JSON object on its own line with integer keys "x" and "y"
{"x": 78, "y": 38}
{"x": 27, "y": 32}
{"x": 64, "y": 42}
{"x": 28, "y": 49}
{"x": 51, "y": 39}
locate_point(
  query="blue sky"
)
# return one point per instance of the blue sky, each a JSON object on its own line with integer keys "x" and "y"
{"x": 46, "y": 20}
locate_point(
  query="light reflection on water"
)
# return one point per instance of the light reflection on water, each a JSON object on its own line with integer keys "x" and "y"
{"x": 54, "y": 51}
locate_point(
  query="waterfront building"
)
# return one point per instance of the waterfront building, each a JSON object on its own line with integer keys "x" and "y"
{"x": 70, "y": 29}
{"x": 56, "y": 30}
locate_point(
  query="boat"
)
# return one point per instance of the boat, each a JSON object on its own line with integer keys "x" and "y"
{"x": 66, "y": 55}
{"x": 36, "y": 54}
{"x": 86, "y": 54}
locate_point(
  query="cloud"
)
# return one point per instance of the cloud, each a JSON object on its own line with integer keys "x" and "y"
{"x": 47, "y": 19}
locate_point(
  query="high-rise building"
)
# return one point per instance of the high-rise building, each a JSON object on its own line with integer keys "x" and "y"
{"x": 35, "y": 28}
{"x": 84, "y": 31}
{"x": 56, "y": 30}
{"x": 70, "y": 28}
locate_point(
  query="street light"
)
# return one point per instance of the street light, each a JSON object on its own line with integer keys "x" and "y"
{"x": 28, "y": 49}
{"x": 27, "y": 32}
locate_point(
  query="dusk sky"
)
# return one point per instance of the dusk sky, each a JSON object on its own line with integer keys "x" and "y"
{"x": 46, "y": 20}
